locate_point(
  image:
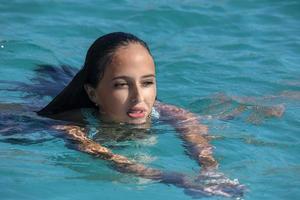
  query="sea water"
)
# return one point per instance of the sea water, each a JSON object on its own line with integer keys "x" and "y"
{"x": 231, "y": 62}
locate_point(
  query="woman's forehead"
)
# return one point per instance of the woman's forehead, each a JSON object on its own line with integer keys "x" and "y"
{"x": 132, "y": 59}
{"x": 132, "y": 52}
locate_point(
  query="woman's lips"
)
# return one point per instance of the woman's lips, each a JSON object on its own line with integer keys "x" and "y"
{"x": 136, "y": 113}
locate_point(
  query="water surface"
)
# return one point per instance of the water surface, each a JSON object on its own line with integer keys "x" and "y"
{"x": 212, "y": 57}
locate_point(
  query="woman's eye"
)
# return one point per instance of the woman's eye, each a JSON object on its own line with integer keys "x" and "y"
{"x": 120, "y": 85}
{"x": 147, "y": 83}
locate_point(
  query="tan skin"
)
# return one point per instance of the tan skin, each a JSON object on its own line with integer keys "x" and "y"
{"x": 128, "y": 85}
{"x": 126, "y": 94}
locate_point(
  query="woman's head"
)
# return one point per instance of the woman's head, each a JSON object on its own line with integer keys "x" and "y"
{"x": 120, "y": 78}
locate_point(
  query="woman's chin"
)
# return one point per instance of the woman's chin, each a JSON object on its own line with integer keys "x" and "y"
{"x": 127, "y": 120}
{"x": 143, "y": 124}
{"x": 137, "y": 121}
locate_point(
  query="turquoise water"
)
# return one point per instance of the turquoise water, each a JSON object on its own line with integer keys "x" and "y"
{"x": 212, "y": 57}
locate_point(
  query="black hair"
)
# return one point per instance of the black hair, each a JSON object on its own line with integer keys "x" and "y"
{"x": 98, "y": 57}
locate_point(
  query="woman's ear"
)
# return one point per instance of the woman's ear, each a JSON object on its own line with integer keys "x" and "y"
{"x": 90, "y": 91}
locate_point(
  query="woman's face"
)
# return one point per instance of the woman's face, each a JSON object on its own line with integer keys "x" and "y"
{"x": 127, "y": 90}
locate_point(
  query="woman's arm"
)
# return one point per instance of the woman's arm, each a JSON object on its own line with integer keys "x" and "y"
{"x": 191, "y": 131}
{"x": 77, "y": 136}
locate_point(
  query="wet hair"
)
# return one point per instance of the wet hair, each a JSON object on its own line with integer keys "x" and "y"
{"x": 98, "y": 57}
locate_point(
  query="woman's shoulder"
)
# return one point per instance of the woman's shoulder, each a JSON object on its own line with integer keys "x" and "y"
{"x": 74, "y": 115}
{"x": 163, "y": 107}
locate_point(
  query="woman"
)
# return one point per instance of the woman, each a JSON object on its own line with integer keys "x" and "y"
{"x": 117, "y": 83}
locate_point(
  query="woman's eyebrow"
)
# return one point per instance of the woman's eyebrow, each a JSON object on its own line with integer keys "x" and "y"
{"x": 120, "y": 77}
{"x": 148, "y": 76}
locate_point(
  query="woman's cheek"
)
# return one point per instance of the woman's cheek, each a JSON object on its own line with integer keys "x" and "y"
{"x": 119, "y": 97}
{"x": 152, "y": 94}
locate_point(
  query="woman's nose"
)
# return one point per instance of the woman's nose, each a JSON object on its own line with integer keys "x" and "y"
{"x": 137, "y": 95}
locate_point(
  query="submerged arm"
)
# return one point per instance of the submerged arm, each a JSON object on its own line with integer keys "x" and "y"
{"x": 191, "y": 131}
{"x": 77, "y": 136}
{"x": 121, "y": 163}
